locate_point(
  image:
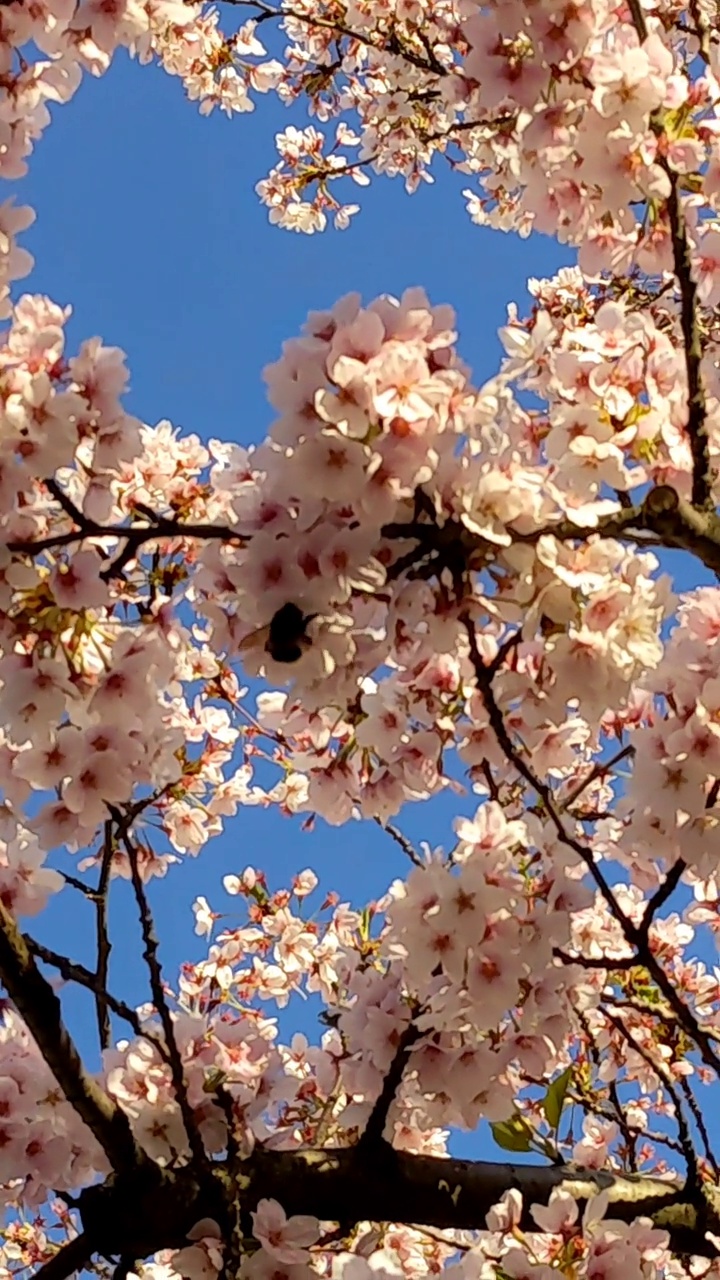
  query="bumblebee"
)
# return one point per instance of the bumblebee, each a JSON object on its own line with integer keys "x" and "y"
{"x": 285, "y": 637}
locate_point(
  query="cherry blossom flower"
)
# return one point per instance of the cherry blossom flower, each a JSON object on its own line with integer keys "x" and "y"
{"x": 285, "y": 1239}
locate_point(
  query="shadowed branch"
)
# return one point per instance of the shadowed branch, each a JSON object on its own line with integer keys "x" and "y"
{"x": 38, "y": 1005}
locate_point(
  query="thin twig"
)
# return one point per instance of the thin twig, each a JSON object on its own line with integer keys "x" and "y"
{"x": 81, "y": 887}
{"x": 638, "y": 17}
{"x": 598, "y": 770}
{"x": 632, "y": 932}
{"x": 616, "y": 1112}
{"x": 596, "y": 962}
{"x": 71, "y": 972}
{"x": 654, "y": 1009}
{"x": 134, "y": 536}
{"x": 104, "y": 945}
{"x": 405, "y": 844}
{"x": 697, "y": 427}
{"x": 393, "y": 44}
{"x": 441, "y": 1239}
{"x": 661, "y": 1071}
{"x": 702, "y": 31}
{"x": 700, "y": 1122}
{"x": 65, "y": 501}
{"x": 504, "y": 651}
{"x": 158, "y": 993}
{"x": 225, "y": 1102}
{"x": 607, "y": 1113}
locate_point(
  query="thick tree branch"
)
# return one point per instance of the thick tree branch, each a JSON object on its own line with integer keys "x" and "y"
{"x": 672, "y": 522}
{"x": 678, "y": 524}
{"x": 73, "y": 1256}
{"x": 136, "y": 1216}
{"x": 393, "y": 1186}
{"x": 37, "y": 1003}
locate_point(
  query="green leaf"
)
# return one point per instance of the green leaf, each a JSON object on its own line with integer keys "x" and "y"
{"x": 554, "y": 1099}
{"x": 513, "y": 1135}
{"x": 213, "y": 1079}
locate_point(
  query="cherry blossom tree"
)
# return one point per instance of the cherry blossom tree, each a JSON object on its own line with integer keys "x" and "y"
{"x": 414, "y": 586}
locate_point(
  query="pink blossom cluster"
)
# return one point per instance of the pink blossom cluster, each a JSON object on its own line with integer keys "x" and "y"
{"x": 58, "y": 411}
{"x": 591, "y": 1245}
{"x": 25, "y": 881}
{"x": 615, "y": 383}
{"x": 483, "y": 1042}
{"x": 44, "y": 1145}
{"x": 456, "y": 636}
{"x": 238, "y": 1053}
{"x": 374, "y": 403}
{"x": 215, "y": 69}
{"x": 569, "y": 119}
{"x": 94, "y": 709}
{"x": 45, "y": 47}
{"x": 678, "y": 756}
{"x": 110, "y": 730}
{"x": 287, "y": 1095}
{"x": 571, "y": 122}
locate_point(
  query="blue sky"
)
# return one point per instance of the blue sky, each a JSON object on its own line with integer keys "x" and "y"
{"x": 149, "y": 226}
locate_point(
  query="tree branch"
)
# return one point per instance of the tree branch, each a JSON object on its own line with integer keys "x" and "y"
{"x": 597, "y": 962}
{"x": 104, "y": 947}
{"x": 406, "y": 845}
{"x": 697, "y": 429}
{"x": 72, "y": 972}
{"x": 73, "y": 1256}
{"x": 598, "y": 770}
{"x": 158, "y": 993}
{"x": 633, "y": 934}
{"x": 134, "y": 536}
{"x": 393, "y": 1186}
{"x": 37, "y": 1003}
{"x": 388, "y": 41}
{"x": 671, "y": 520}
{"x": 137, "y": 1216}
{"x": 661, "y": 895}
{"x": 374, "y": 1130}
{"x": 665, "y": 1077}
